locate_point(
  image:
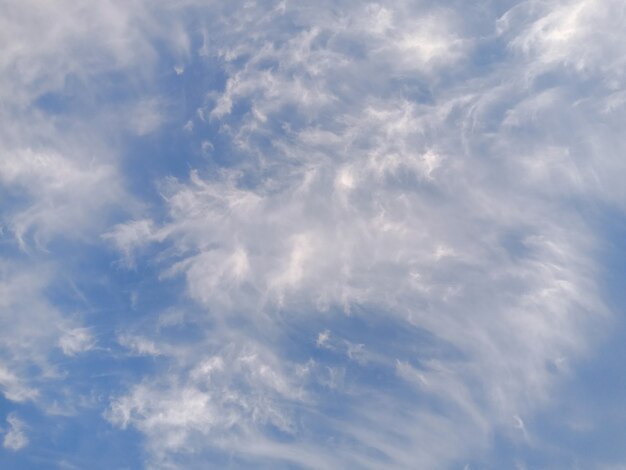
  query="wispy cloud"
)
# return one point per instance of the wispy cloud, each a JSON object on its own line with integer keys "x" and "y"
{"x": 355, "y": 196}
{"x": 351, "y": 234}
{"x": 15, "y": 438}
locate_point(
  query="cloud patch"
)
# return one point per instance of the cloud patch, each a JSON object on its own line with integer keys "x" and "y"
{"x": 15, "y": 438}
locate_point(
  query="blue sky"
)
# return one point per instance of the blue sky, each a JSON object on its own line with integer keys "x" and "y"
{"x": 297, "y": 235}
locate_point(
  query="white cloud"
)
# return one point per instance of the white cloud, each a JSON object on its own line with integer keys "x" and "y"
{"x": 146, "y": 116}
{"x": 76, "y": 340}
{"x": 356, "y": 196}
{"x": 130, "y": 237}
{"x": 565, "y": 32}
{"x": 15, "y": 438}
{"x": 13, "y": 387}
{"x": 139, "y": 345}
{"x": 225, "y": 398}
{"x": 64, "y": 163}
{"x": 59, "y": 172}
{"x": 60, "y": 194}
{"x": 30, "y": 329}
{"x": 322, "y": 339}
{"x": 378, "y": 177}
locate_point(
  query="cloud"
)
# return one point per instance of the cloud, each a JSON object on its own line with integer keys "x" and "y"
{"x": 60, "y": 178}
{"x": 76, "y": 340}
{"x": 360, "y": 190}
{"x": 146, "y": 117}
{"x": 139, "y": 345}
{"x": 13, "y": 387}
{"x": 565, "y": 33}
{"x": 15, "y": 438}
{"x": 381, "y": 253}
{"x": 58, "y": 193}
{"x": 130, "y": 237}
{"x": 225, "y": 397}
{"x": 34, "y": 331}
{"x": 67, "y": 75}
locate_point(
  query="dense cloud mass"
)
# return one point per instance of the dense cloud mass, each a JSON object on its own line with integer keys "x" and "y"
{"x": 286, "y": 234}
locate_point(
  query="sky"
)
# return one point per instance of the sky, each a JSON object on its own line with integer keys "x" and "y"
{"x": 280, "y": 234}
